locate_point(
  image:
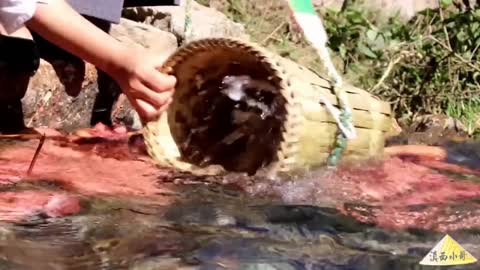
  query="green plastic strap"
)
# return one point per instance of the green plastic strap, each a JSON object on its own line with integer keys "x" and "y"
{"x": 346, "y": 120}
{"x": 340, "y": 142}
{"x": 187, "y": 28}
{"x": 311, "y": 24}
{"x": 303, "y": 6}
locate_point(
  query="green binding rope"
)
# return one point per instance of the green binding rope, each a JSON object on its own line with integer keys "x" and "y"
{"x": 312, "y": 27}
{"x": 340, "y": 142}
{"x": 187, "y": 28}
{"x": 346, "y": 120}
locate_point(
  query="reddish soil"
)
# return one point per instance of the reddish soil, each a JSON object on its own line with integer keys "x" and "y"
{"x": 105, "y": 166}
{"x": 403, "y": 194}
{"x": 395, "y": 193}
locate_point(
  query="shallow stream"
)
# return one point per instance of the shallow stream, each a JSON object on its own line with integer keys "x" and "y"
{"x": 100, "y": 204}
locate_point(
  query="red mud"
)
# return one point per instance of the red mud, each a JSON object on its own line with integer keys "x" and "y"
{"x": 103, "y": 168}
{"x": 395, "y": 193}
{"x": 402, "y": 194}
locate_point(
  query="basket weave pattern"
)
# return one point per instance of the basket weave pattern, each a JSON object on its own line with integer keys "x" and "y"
{"x": 307, "y": 131}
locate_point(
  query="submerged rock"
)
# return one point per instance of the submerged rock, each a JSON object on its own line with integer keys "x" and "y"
{"x": 436, "y": 129}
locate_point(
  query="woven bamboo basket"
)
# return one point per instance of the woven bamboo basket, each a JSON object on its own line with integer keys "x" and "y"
{"x": 208, "y": 130}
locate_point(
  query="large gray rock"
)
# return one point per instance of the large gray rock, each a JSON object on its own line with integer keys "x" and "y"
{"x": 139, "y": 34}
{"x": 61, "y": 95}
{"x": 64, "y": 94}
{"x": 206, "y": 22}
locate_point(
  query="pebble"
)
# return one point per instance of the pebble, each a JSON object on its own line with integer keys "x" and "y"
{"x": 62, "y": 205}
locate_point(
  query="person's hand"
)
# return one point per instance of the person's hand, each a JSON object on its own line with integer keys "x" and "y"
{"x": 148, "y": 90}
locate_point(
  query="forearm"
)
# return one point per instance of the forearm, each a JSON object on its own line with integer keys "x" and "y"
{"x": 64, "y": 27}
{"x": 137, "y": 74}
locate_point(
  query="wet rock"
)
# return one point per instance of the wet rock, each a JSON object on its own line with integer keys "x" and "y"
{"x": 67, "y": 93}
{"x": 391, "y": 193}
{"x": 62, "y": 205}
{"x": 206, "y": 22}
{"x": 435, "y": 129}
{"x": 465, "y": 153}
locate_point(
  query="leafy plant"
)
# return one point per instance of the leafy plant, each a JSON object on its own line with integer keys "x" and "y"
{"x": 427, "y": 65}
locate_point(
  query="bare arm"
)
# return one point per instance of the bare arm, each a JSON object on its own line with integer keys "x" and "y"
{"x": 63, "y": 26}
{"x": 137, "y": 73}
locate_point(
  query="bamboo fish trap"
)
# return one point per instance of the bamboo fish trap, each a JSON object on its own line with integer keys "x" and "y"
{"x": 240, "y": 108}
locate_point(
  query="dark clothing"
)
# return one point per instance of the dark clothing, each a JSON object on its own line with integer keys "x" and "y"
{"x": 18, "y": 55}
{"x": 19, "y": 59}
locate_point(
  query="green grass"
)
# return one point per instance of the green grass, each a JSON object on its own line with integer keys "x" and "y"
{"x": 467, "y": 112}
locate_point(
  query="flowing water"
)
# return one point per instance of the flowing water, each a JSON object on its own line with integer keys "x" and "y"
{"x": 101, "y": 205}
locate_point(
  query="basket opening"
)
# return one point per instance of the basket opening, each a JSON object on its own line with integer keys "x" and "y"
{"x": 227, "y": 110}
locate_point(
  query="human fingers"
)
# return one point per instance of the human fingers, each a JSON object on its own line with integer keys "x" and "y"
{"x": 148, "y": 112}
{"x": 158, "y": 81}
{"x": 157, "y": 99}
{"x": 145, "y": 110}
{"x": 164, "y": 107}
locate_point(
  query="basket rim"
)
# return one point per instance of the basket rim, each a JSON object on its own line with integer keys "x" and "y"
{"x": 286, "y": 151}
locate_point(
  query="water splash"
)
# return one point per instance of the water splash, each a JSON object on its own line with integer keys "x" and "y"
{"x": 234, "y": 87}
